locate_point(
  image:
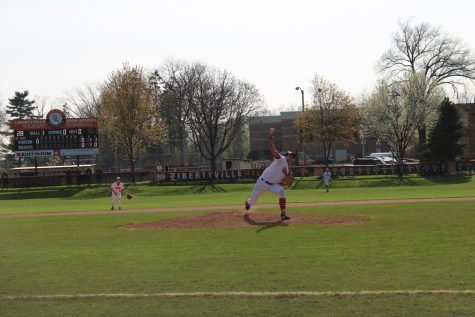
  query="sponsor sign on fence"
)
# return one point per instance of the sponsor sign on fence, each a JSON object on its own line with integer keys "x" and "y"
{"x": 224, "y": 176}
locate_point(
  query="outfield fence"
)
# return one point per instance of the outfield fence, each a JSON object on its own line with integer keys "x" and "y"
{"x": 191, "y": 176}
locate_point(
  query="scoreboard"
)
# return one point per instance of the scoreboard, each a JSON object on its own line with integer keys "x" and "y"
{"x": 55, "y": 139}
{"x": 56, "y": 136}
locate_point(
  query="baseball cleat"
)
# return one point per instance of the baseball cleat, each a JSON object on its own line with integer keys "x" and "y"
{"x": 283, "y": 216}
{"x": 247, "y": 205}
{"x": 112, "y": 208}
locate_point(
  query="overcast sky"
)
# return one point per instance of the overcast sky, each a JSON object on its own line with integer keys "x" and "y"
{"x": 51, "y": 47}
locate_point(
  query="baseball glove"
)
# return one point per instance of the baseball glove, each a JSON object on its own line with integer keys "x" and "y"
{"x": 288, "y": 180}
{"x": 129, "y": 196}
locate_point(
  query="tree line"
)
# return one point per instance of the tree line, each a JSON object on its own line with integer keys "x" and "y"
{"x": 408, "y": 100}
{"x": 183, "y": 107}
{"x": 179, "y": 105}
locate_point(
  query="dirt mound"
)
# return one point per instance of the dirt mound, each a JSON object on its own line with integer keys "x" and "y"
{"x": 238, "y": 219}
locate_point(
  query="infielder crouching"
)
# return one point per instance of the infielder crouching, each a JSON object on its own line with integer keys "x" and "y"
{"x": 272, "y": 178}
{"x": 116, "y": 188}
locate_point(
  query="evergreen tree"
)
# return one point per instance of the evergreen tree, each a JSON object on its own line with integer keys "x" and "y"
{"x": 20, "y": 107}
{"x": 444, "y": 136}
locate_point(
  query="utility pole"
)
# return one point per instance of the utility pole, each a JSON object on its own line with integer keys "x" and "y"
{"x": 301, "y": 137}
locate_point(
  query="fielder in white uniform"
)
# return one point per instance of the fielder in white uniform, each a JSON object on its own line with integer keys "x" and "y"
{"x": 116, "y": 188}
{"x": 327, "y": 178}
{"x": 272, "y": 177}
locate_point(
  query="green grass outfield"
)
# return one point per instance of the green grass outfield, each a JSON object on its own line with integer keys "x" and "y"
{"x": 307, "y": 190}
{"x": 402, "y": 247}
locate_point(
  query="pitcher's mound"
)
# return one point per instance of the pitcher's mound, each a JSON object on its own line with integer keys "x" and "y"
{"x": 238, "y": 219}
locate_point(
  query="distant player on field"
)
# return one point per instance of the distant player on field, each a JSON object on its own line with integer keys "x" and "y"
{"x": 116, "y": 188}
{"x": 327, "y": 178}
{"x": 273, "y": 177}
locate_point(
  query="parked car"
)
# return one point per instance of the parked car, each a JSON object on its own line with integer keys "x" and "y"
{"x": 388, "y": 159}
{"x": 386, "y": 156}
{"x": 369, "y": 161}
{"x": 323, "y": 161}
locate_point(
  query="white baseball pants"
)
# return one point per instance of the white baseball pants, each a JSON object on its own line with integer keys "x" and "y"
{"x": 262, "y": 187}
{"x": 119, "y": 196}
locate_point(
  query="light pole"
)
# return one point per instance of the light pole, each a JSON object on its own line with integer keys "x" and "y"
{"x": 301, "y": 136}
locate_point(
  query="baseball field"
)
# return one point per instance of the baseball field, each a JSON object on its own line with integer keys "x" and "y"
{"x": 369, "y": 247}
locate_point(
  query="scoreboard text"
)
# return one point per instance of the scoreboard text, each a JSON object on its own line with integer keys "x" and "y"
{"x": 55, "y": 139}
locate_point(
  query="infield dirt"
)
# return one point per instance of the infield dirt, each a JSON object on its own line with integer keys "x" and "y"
{"x": 238, "y": 219}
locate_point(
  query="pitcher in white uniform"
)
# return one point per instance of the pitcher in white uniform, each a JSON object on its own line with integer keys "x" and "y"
{"x": 272, "y": 178}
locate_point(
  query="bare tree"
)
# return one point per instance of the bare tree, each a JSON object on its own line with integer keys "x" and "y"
{"x": 218, "y": 104}
{"x": 172, "y": 82}
{"x": 423, "y": 49}
{"x": 41, "y": 107}
{"x": 83, "y": 102}
{"x": 331, "y": 119}
{"x": 129, "y": 114}
{"x": 3, "y": 122}
{"x": 3, "y": 117}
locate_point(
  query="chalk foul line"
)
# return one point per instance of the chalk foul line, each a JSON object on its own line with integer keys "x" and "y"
{"x": 244, "y": 294}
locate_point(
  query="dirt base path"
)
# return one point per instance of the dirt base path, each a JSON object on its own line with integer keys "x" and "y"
{"x": 238, "y": 208}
